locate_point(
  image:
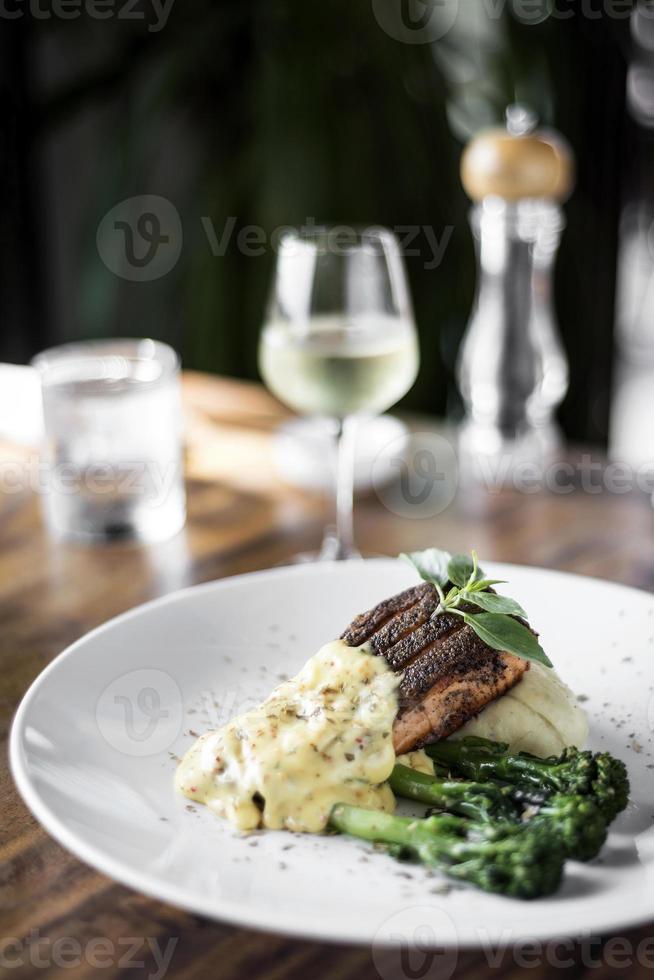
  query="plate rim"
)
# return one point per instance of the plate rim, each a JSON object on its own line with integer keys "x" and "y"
{"x": 224, "y": 910}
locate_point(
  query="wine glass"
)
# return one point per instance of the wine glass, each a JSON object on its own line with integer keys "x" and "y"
{"x": 339, "y": 341}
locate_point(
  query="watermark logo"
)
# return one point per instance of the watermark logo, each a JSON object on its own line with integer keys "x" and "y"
{"x": 147, "y": 482}
{"x": 416, "y": 943}
{"x": 423, "y": 242}
{"x": 154, "y": 13}
{"x": 147, "y": 954}
{"x": 140, "y": 239}
{"x": 416, "y": 21}
{"x": 532, "y": 12}
{"x": 141, "y": 712}
{"x": 426, "y": 21}
{"x": 426, "y": 475}
{"x": 427, "y": 472}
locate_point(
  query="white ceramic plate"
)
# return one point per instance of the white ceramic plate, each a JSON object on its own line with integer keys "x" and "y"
{"x": 95, "y": 739}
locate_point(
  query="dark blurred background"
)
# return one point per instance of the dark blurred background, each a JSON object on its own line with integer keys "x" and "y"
{"x": 276, "y": 112}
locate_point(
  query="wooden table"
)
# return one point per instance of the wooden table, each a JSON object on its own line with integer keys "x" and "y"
{"x": 241, "y": 517}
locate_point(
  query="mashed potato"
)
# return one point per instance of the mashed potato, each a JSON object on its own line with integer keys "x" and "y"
{"x": 418, "y": 760}
{"x": 540, "y": 715}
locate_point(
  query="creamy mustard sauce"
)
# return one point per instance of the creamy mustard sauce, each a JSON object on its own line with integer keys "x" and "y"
{"x": 321, "y": 738}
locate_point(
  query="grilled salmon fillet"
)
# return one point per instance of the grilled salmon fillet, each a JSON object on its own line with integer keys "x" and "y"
{"x": 448, "y": 673}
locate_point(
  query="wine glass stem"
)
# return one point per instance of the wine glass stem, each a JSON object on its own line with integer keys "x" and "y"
{"x": 345, "y": 448}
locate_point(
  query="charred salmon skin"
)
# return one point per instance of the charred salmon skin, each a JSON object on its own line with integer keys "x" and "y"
{"x": 448, "y": 673}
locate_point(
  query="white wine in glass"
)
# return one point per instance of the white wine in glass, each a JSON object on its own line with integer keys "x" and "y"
{"x": 340, "y": 367}
{"x": 340, "y": 342}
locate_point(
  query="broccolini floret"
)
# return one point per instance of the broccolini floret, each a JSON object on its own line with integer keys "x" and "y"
{"x": 504, "y": 822}
{"x": 576, "y": 821}
{"x": 598, "y": 776}
{"x": 508, "y": 859}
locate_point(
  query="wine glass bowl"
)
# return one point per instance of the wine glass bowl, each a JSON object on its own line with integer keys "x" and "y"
{"x": 339, "y": 340}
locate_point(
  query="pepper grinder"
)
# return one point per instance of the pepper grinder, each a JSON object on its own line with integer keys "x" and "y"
{"x": 512, "y": 370}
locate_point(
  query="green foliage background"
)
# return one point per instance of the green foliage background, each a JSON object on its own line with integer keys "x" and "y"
{"x": 275, "y": 111}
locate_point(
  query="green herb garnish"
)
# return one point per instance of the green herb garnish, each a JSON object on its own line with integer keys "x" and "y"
{"x": 495, "y": 624}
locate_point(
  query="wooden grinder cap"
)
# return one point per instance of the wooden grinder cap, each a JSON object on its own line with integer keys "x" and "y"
{"x": 518, "y": 161}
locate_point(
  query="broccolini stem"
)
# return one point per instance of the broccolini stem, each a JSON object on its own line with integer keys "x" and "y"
{"x": 475, "y": 760}
{"x": 479, "y": 801}
{"x": 416, "y": 836}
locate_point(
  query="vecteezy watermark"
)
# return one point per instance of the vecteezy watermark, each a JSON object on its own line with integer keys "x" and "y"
{"x": 150, "y": 956}
{"x": 219, "y": 708}
{"x": 422, "y": 941}
{"x": 154, "y": 13}
{"x": 140, "y": 713}
{"x": 587, "y": 950}
{"x": 148, "y": 480}
{"x": 534, "y": 12}
{"x": 416, "y": 21}
{"x": 416, "y": 942}
{"x": 414, "y": 241}
{"x": 426, "y": 21}
{"x": 426, "y": 475}
{"x": 564, "y": 476}
{"x": 140, "y": 239}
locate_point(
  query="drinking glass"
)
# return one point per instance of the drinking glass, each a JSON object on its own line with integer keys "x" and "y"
{"x": 113, "y": 460}
{"x": 339, "y": 341}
